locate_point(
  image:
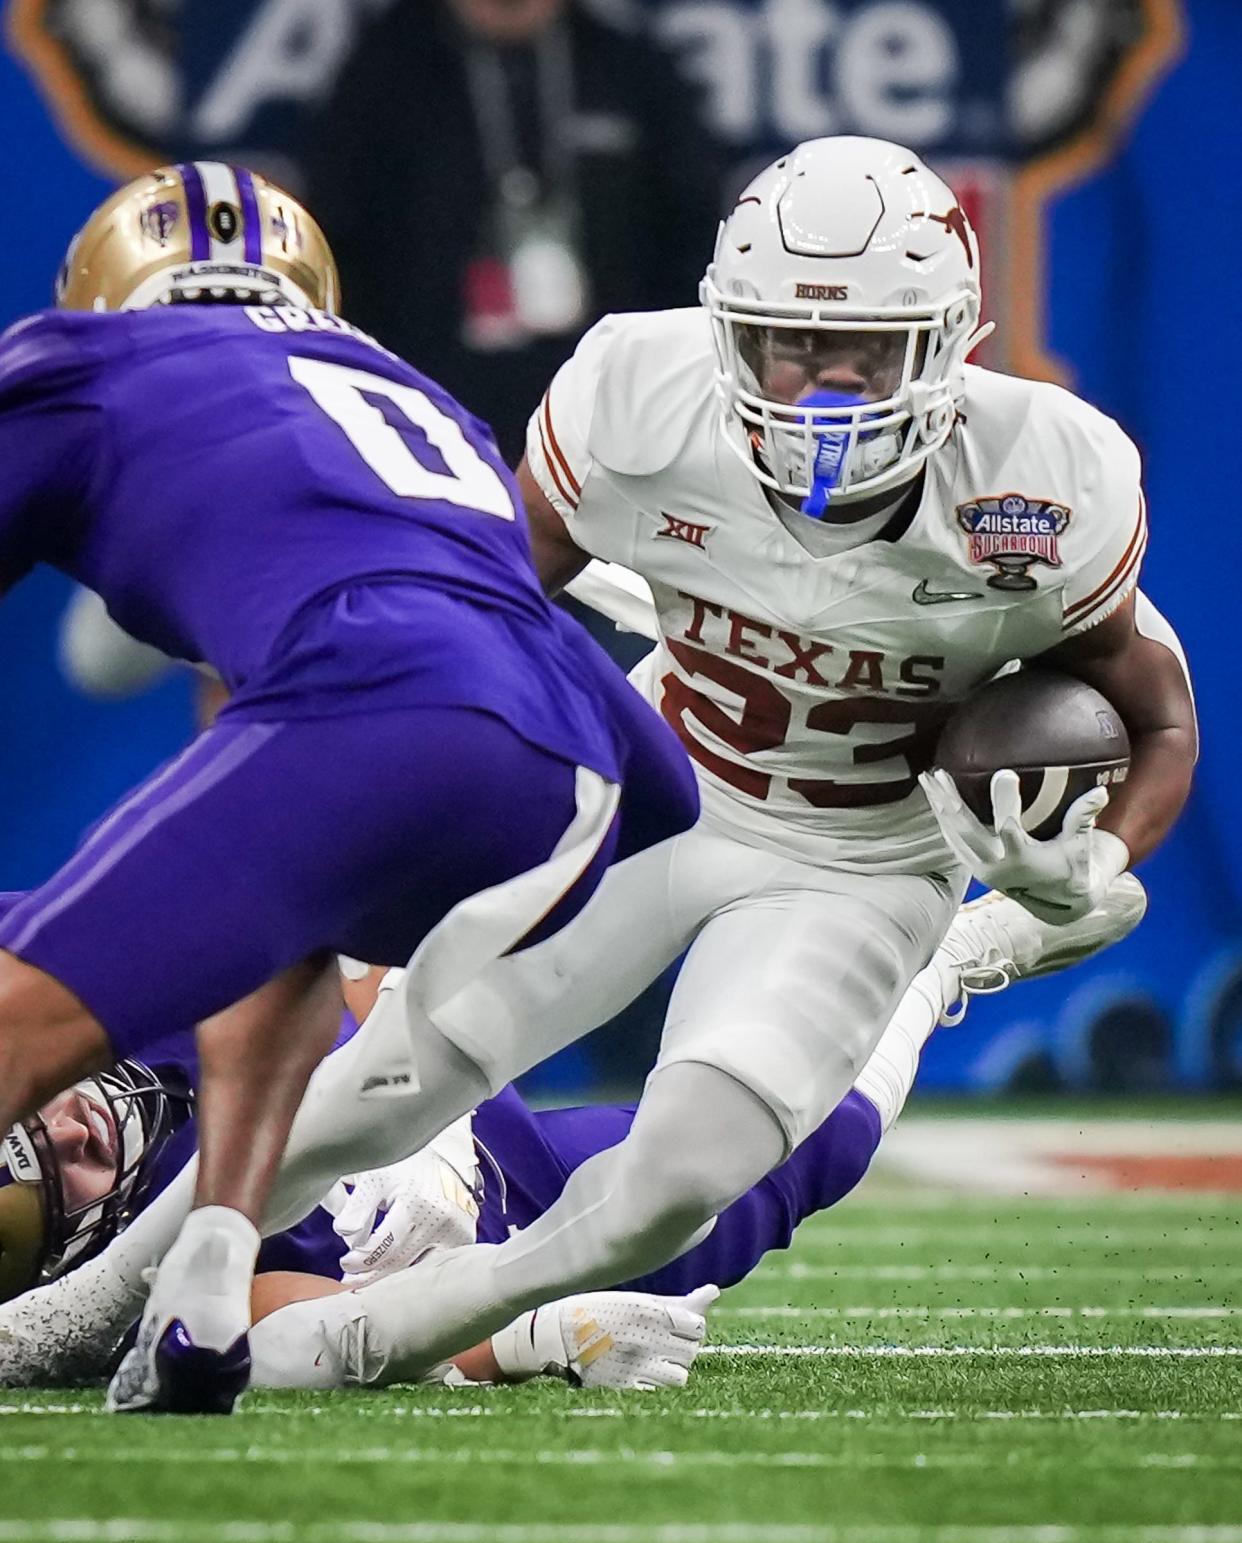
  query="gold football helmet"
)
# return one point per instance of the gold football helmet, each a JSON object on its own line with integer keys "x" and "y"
{"x": 23, "y": 1221}
{"x": 48, "y": 1224}
{"x": 201, "y": 231}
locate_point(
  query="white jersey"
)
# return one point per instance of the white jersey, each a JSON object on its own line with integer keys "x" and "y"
{"x": 808, "y": 669}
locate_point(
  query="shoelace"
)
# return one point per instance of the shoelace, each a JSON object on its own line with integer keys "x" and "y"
{"x": 979, "y": 980}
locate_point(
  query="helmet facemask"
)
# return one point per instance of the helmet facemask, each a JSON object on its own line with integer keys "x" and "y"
{"x": 875, "y": 394}
{"x": 853, "y": 253}
{"x": 132, "y": 1112}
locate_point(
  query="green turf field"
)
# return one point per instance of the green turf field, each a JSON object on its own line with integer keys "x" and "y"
{"x": 919, "y": 1369}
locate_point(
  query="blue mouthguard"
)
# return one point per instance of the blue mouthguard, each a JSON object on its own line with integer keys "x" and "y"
{"x": 829, "y": 452}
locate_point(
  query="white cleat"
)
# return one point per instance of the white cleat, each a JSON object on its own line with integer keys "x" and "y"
{"x": 192, "y": 1354}
{"x": 994, "y": 941}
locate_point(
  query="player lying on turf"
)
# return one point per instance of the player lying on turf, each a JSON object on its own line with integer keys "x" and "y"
{"x": 249, "y": 482}
{"x": 328, "y": 1317}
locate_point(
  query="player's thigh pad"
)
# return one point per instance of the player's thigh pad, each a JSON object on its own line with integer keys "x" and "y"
{"x": 266, "y": 842}
{"x": 789, "y": 989}
{"x": 642, "y": 915}
{"x": 525, "y": 1007}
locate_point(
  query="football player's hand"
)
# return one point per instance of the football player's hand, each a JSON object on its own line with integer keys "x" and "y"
{"x": 1058, "y": 880}
{"x": 390, "y": 1217}
{"x": 608, "y": 1339}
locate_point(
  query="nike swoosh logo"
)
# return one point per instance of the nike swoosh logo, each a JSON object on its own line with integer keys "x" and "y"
{"x": 921, "y": 595}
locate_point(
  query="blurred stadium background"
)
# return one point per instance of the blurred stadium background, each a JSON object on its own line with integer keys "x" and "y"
{"x": 1096, "y": 144}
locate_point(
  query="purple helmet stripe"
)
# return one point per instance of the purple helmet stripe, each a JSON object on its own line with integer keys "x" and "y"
{"x": 196, "y": 208}
{"x": 251, "y": 226}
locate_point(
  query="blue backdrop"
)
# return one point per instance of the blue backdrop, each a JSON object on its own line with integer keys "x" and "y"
{"x": 1139, "y": 259}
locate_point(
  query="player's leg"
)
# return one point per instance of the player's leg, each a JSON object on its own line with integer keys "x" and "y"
{"x": 830, "y": 1163}
{"x": 519, "y": 1010}
{"x": 255, "y": 1060}
{"x": 777, "y": 1007}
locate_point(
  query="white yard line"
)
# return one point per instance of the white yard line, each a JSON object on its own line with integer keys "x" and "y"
{"x": 143, "y": 1530}
{"x": 916, "y": 1313}
{"x": 1070, "y": 1352}
{"x": 1026, "y": 1232}
{"x": 886, "y": 1415}
{"x": 661, "y": 1460}
{"x": 1192, "y": 1274}
{"x": 929, "y": 1199}
{"x": 889, "y": 1416}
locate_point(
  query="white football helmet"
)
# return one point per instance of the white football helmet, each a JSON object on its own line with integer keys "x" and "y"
{"x": 844, "y": 297}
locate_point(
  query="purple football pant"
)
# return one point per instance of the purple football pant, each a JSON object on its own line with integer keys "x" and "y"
{"x": 537, "y": 1151}
{"x": 816, "y": 1175}
{"x": 264, "y": 843}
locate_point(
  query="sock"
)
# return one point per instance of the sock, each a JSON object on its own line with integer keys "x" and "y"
{"x": 888, "y": 1076}
{"x": 206, "y": 1276}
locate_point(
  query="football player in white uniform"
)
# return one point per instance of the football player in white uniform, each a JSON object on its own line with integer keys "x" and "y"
{"x": 323, "y": 1320}
{"x": 845, "y": 529}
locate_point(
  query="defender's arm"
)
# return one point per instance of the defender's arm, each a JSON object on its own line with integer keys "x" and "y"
{"x": 1133, "y": 658}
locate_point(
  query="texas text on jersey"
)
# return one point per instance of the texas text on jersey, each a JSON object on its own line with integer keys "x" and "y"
{"x": 807, "y": 665}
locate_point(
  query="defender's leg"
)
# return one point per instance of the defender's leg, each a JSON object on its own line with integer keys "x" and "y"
{"x": 256, "y": 1060}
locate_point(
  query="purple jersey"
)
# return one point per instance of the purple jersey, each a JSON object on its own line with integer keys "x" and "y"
{"x": 267, "y": 490}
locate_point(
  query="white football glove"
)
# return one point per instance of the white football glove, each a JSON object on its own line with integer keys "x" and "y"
{"x": 1058, "y": 880}
{"x": 608, "y": 1339}
{"x": 425, "y": 1203}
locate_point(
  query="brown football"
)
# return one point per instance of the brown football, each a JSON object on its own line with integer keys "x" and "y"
{"x": 1060, "y": 735}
